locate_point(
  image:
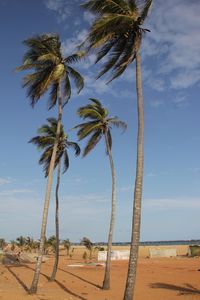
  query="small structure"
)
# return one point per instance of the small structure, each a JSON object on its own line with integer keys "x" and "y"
{"x": 115, "y": 255}
{"x": 163, "y": 252}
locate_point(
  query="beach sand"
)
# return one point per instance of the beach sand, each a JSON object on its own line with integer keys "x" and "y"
{"x": 157, "y": 279}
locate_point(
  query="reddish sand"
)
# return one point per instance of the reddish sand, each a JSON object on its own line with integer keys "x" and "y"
{"x": 157, "y": 279}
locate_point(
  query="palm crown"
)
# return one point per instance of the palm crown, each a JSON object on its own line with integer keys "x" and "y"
{"x": 51, "y": 69}
{"x": 116, "y": 31}
{"x": 98, "y": 124}
{"x": 45, "y": 141}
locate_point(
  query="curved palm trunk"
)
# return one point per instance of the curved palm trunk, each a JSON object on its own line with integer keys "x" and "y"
{"x": 106, "y": 282}
{"x": 55, "y": 267}
{"x": 131, "y": 276}
{"x": 33, "y": 288}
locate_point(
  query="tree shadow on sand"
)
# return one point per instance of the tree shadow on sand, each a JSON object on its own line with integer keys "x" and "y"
{"x": 62, "y": 286}
{"x": 84, "y": 280}
{"x": 187, "y": 289}
{"x": 16, "y": 277}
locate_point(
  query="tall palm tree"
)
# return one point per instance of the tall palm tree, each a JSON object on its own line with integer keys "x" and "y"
{"x": 99, "y": 125}
{"x": 117, "y": 33}
{"x": 45, "y": 141}
{"x": 51, "y": 70}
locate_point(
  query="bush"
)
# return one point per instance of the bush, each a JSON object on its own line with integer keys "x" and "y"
{"x": 194, "y": 250}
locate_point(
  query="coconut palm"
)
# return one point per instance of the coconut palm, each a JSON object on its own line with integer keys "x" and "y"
{"x": 45, "y": 141}
{"x": 99, "y": 125}
{"x": 51, "y": 70}
{"x": 29, "y": 243}
{"x": 88, "y": 245}
{"x": 67, "y": 245}
{"x": 21, "y": 242}
{"x": 117, "y": 33}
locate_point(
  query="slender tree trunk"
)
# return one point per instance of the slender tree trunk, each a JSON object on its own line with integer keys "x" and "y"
{"x": 33, "y": 288}
{"x": 55, "y": 267}
{"x": 131, "y": 276}
{"x": 106, "y": 282}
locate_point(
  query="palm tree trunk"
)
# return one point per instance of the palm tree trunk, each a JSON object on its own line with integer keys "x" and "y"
{"x": 131, "y": 276}
{"x": 106, "y": 282}
{"x": 55, "y": 267}
{"x": 33, "y": 288}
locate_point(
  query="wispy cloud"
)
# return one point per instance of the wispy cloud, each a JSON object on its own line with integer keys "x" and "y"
{"x": 156, "y": 103}
{"x": 63, "y": 8}
{"x": 125, "y": 188}
{"x": 151, "y": 174}
{"x": 172, "y": 203}
{"x": 181, "y": 101}
{"x": 195, "y": 170}
{"x": 70, "y": 44}
{"x": 174, "y": 42}
{"x": 12, "y": 192}
{"x": 4, "y": 181}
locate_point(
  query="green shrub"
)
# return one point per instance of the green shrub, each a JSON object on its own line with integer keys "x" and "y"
{"x": 194, "y": 250}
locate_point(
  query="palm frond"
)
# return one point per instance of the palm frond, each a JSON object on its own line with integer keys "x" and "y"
{"x": 74, "y": 58}
{"x": 78, "y": 79}
{"x": 117, "y": 123}
{"x": 75, "y": 147}
{"x": 65, "y": 161}
{"x": 49, "y": 57}
{"x": 86, "y": 129}
{"x": 133, "y": 5}
{"x": 115, "y": 56}
{"x": 145, "y": 10}
{"x": 66, "y": 89}
{"x": 89, "y": 112}
{"x": 93, "y": 141}
{"x": 53, "y": 95}
{"x": 104, "y": 50}
{"x": 106, "y": 6}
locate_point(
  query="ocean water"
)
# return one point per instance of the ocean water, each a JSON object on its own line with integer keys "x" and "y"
{"x": 155, "y": 243}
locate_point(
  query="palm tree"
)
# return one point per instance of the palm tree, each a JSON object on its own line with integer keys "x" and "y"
{"x": 67, "y": 245}
{"x": 99, "y": 124}
{"x": 117, "y": 33}
{"x": 45, "y": 141}
{"x": 21, "y": 242}
{"x": 29, "y": 243}
{"x": 50, "y": 71}
{"x": 88, "y": 245}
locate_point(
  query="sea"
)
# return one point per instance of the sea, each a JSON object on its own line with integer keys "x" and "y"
{"x": 155, "y": 243}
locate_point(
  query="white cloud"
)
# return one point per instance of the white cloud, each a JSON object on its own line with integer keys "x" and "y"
{"x": 14, "y": 192}
{"x": 4, "y": 181}
{"x": 172, "y": 203}
{"x": 88, "y": 17}
{"x": 151, "y": 174}
{"x": 156, "y": 103}
{"x": 70, "y": 45}
{"x": 125, "y": 188}
{"x": 181, "y": 101}
{"x": 195, "y": 170}
{"x": 174, "y": 42}
{"x": 63, "y": 8}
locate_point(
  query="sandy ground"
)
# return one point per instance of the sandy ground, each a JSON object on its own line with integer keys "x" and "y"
{"x": 157, "y": 279}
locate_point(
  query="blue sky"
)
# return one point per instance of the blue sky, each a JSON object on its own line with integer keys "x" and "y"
{"x": 171, "y": 81}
